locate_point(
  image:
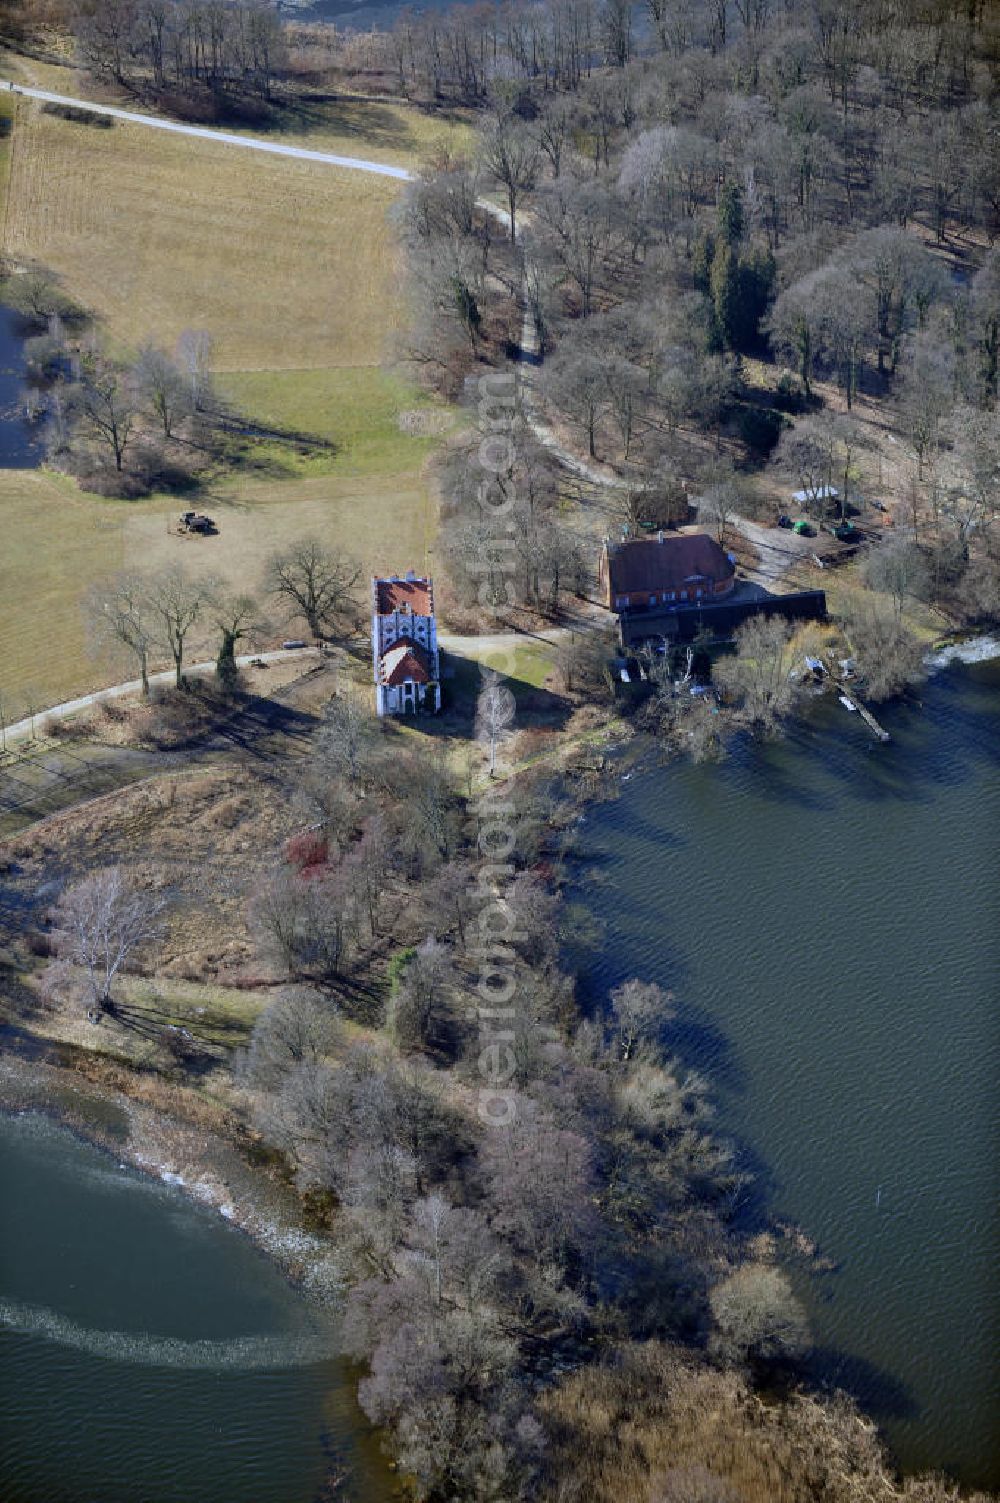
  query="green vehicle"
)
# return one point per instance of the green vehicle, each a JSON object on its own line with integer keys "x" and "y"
{"x": 804, "y": 529}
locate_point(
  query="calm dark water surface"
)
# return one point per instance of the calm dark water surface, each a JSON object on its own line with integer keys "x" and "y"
{"x": 21, "y": 445}
{"x": 149, "y": 1353}
{"x": 826, "y": 911}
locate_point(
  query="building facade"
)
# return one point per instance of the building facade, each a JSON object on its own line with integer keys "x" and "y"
{"x": 405, "y": 659}
{"x": 664, "y": 573}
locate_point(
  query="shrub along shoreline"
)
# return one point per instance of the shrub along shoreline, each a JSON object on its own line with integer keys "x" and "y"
{"x": 502, "y": 1268}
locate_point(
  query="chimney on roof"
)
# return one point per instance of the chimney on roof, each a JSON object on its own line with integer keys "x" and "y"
{"x": 410, "y": 576}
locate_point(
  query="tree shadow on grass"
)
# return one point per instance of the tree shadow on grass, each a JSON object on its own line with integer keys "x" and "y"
{"x": 535, "y": 708}
{"x": 363, "y": 124}
{"x": 270, "y": 451}
{"x": 191, "y": 1048}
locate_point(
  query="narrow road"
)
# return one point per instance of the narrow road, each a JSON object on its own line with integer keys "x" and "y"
{"x": 206, "y": 133}
{"x": 531, "y": 359}
{"x": 777, "y": 550}
{"x": 458, "y": 644}
{"x": 24, "y": 728}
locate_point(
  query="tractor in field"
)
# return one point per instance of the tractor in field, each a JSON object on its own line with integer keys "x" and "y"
{"x": 196, "y": 523}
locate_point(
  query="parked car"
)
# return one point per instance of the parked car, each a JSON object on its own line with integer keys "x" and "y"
{"x": 804, "y": 529}
{"x": 784, "y": 521}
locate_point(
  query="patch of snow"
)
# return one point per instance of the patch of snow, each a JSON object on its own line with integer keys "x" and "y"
{"x": 975, "y": 650}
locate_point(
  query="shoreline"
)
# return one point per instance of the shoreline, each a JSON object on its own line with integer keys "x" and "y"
{"x": 214, "y": 1175}
{"x": 200, "y": 1161}
{"x": 982, "y": 647}
{"x": 208, "y": 1165}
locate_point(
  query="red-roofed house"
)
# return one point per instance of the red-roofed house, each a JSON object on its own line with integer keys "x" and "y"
{"x": 405, "y": 659}
{"x": 664, "y": 573}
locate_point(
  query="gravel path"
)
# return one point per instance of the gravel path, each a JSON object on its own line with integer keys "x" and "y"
{"x": 206, "y": 133}
{"x": 26, "y": 728}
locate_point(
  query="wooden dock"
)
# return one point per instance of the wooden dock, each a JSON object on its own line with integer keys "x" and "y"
{"x": 853, "y": 702}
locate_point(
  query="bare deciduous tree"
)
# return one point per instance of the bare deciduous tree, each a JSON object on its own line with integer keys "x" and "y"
{"x": 305, "y": 924}
{"x": 539, "y": 1178}
{"x": 104, "y": 402}
{"x": 757, "y": 1316}
{"x": 417, "y": 995}
{"x": 237, "y": 619}
{"x": 494, "y": 716}
{"x": 757, "y": 674}
{"x": 640, "y": 1010}
{"x": 898, "y": 568}
{"x": 98, "y": 924}
{"x": 315, "y": 583}
{"x": 806, "y": 454}
{"x": 177, "y": 602}
{"x": 162, "y": 387}
{"x": 510, "y": 155}
{"x": 888, "y": 654}
{"x": 554, "y": 128}
{"x": 194, "y": 356}
{"x": 120, "y": 612}
{"x": 368, "y": 868}
{"x": 719, "y": 503}
{"x": 37, "y": 296}
{"x": 297, "y": 1028}
{"x": 348, "y": 738}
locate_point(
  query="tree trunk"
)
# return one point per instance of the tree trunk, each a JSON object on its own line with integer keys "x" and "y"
{"x": 225, "y": 663}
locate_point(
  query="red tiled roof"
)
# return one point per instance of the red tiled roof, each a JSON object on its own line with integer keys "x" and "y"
{"x": 648, "y": 564}
{"x": 396, "y": 594}
{"x": 404, "y": 660}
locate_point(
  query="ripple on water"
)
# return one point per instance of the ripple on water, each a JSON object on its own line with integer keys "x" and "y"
{"x": 149, "y": 1351}
{"x": 826, "y": 913}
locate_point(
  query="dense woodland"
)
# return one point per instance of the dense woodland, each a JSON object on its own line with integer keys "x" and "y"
{"x": 755, "y": 239}
{"x": 758, "y": 255}
{"x": 174, "y": 48}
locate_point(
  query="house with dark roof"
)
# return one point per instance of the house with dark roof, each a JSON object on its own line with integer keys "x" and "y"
{"x": 664, "y": 573}
{"x": 670, "y": 589}
{"x": 405, "y": 659}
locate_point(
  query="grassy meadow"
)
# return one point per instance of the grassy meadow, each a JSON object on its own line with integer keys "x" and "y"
{"x": 292, "y": 268}
{"x": 383, "y": 131}
{"x": 287, "y": 264}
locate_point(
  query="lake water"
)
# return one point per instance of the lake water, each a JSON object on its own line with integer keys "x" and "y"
{"x": 148, "y": 1352}
{"x": 21, "y": 445}
{"x": 827, "y": 911}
